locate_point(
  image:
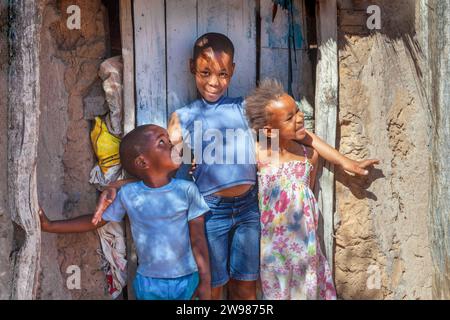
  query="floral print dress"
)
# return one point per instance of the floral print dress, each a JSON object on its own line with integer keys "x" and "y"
{"x": 292, "y": 264}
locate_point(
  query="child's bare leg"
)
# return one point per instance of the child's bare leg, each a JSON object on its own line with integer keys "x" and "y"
{"x": 217, "y": 293}
{"x": 242, "y": 290}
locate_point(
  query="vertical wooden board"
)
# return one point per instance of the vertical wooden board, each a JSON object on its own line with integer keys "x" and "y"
{"x": 236, "y": 19}
{"x": 127, "y": 36}
{"x": 150, "y": 53}
{"x": 23, "y": 140}
{"x": 327, "y": 82}
{"x": 274, "y": 48}
{"x": 212, "y": 16}
{"x": 241, "y": 28}
{"x": 129, "y": 119}
{"x": 181, "y": 35}
{"x": 275, "y": 34}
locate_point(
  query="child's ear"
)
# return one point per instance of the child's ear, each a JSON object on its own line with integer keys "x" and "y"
{"x": 141, "y": 163}
{"x": 269, "y": 132}
{"x": 192, "y": 66}
{"x": 232, "y": 69}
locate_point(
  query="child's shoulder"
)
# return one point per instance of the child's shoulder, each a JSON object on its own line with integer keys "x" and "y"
{"x": 233, "y": 100}
{"x": 130, "y": 186}
{"x": 188, "y": 188}
{"x": 311, "y": 154}
{"x": 306, "y": 151}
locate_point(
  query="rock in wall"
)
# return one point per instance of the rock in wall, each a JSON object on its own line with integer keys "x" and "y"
{"x": 70, "y": 61}
{"x": 382, "y": 243}
{"x": 5, "y": 222}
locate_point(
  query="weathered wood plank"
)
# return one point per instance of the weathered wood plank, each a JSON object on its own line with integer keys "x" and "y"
{"x": 439, "y": 93}
{"x": 236, "y": 19}
{"x": 241, "y": 29}
{"x": 129, "y": 122}
{"x": 212, "y": 16}
{"x": 150, "y": 47}
{"x": 275, "y": 52}
{"x": 326, "y": 111}
{"x": 127, "y": 36}
{"x": 23, "y": 136}
{"x": 181, "y": 35}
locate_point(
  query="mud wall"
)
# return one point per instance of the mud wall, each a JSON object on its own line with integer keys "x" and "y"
{"x": 5, "y": 222}
{"x": 69, "y": 84}
{"x": 382, "y": 241}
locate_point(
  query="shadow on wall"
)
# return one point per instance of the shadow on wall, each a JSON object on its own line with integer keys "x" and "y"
{"x": 352, "y": 21}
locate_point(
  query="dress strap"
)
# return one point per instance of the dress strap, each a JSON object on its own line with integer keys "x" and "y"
{"x": 305, "y": 152}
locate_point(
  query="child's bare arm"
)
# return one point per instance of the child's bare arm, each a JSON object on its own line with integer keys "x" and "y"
{"x": 120, "y": 183}
{"x": 333, "y": 156}
{"x": 200, "y": 251}
{"x": 107, "y": 197}
{"x": 313, "y": 157}
{"x": 76, "y": 225}
{"x": 174, "y": 129}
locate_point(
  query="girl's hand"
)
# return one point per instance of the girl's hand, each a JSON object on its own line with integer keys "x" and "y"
{"x": 359, "y": 167}
{"x": 45, "y": 222}
{"x": 106, "y": 198}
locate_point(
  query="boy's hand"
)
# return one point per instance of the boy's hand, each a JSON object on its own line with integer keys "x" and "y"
{"x": 359, "y": 167}
{"x": 106, "y": 198}
{"x": 45, "y": 222}
{"x": 193, "y": 167}
{"x": 203, "y": 291}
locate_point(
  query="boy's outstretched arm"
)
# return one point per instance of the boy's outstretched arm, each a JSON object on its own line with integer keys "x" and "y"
{"x": 333, "y": 156}
{"x": 76, "y": 225}
{"x": 200, "y": 250}
{"x": 107, "y": 197}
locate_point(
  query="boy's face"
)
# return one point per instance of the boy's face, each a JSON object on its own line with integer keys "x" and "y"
{"x": 160, "y": 153}
{"x": 287, "y": 118}
{"x": 213, "y": 72}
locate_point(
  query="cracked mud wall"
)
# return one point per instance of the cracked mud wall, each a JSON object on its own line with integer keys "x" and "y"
{"x": 381, "y": 221}
{"x": 5, "y": 221}
{"x": 70, "y": 61}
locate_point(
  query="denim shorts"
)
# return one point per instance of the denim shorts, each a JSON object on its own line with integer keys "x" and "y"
{"x": 233, "y": 233}
{"x": 182, "y": 288}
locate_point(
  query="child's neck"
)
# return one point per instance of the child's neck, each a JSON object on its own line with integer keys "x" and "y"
{"x": 157, "y": 180}
{"x": 285, "y": 146}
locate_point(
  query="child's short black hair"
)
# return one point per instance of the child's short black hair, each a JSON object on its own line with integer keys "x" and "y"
{"x": 133, "y": 145}
{"x": 216, "y": 41}
{"x": 256, "y": 103}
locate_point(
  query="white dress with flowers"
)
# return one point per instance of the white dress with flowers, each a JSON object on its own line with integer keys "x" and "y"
{"x": 292, "y": 264}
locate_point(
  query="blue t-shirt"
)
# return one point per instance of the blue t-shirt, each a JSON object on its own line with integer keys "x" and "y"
{"x": 159, "y": 225}
{"x": 222, "y": 143}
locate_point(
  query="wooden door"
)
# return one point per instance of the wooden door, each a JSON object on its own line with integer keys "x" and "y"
{"x": 165, "y": 31}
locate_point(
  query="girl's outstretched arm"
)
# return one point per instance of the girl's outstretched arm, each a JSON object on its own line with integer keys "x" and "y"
{"x": 76, "y": 225}
{"x": 333, "y": 156}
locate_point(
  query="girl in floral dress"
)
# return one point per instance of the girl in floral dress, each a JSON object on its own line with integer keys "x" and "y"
{"x": 292, "y": 264}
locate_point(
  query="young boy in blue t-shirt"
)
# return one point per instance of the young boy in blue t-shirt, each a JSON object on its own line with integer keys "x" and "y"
{"x": 166, "y": 217}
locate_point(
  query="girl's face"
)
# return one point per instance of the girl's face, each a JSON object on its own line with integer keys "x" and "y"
{"x": 287, "y": 118}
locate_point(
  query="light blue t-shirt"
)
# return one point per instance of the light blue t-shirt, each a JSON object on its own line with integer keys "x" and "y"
{"x": 224, "y": 116}
{"x": 159, "y": 225}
